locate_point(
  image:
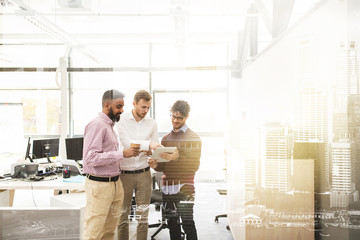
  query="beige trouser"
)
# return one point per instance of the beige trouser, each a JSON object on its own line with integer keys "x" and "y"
{"x": 103, "y": 206}
{"x": 141, "y": 184}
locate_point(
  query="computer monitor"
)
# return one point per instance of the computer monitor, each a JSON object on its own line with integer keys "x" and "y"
{"x": 27, "y": 155}
{"x": 74, "y": 148}
{"x": 45, "y": 148}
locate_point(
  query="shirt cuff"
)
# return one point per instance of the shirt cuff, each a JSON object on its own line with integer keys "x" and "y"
{"x": 119, "y": 154}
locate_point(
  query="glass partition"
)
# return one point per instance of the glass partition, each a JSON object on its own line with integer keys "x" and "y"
{"x": 298, "y": 125}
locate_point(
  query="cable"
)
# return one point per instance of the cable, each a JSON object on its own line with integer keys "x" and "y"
{"x": 32, "y": 191}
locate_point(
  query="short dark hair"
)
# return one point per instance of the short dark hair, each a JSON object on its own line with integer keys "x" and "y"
{"x": 181, "y": 106}
{"x": 142, "y": 94}
{"x": 111, "y": 95}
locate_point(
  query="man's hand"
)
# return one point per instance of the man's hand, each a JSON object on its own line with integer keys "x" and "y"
{"x": 152, "y": 163}
{"x": 154, "y": 145}
{"x": 131, "y": 152}
{"x": 170, "y": 156}
{"x": 148, "y": 152}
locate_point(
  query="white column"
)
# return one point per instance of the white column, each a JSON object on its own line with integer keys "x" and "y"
{"x": 64, "y": 106}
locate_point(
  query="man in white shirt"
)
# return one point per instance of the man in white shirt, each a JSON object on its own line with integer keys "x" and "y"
{"x": 136, "y": 127}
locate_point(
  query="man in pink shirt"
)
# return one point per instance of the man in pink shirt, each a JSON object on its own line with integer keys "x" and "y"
{"x": 101, "y": 157}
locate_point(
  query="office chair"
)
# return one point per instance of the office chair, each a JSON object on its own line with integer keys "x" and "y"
{"x": 156, "y": 199}
{"x": 223, "y": 191}
{"x": 132, "y": 209}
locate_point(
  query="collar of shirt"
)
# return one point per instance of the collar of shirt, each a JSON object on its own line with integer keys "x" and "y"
{"x": 183, "y": 128}
{"x": 106, "y": 118}
{"x": 131, "y": 116}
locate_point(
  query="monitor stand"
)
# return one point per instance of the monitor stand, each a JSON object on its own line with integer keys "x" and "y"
{"x": 48, "y": 159}
{"x": 30, "y": 159}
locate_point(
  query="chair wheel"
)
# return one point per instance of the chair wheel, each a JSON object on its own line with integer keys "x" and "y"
{"x": 216, "y": 220}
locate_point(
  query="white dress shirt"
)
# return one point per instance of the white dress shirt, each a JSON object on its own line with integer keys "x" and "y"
{"x": 143, "y": 132}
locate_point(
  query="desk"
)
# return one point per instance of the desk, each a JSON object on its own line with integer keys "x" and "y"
{"x": 55, "y": 184}
{"x": 62, "y": 220}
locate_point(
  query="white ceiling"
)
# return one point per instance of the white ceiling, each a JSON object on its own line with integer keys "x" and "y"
{"x": 90, "y": 21}
{"x": 81, "y": 23}
{"x": 120, "y": 20}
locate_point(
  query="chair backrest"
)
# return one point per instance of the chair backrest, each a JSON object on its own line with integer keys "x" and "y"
{"x": 157, "y": 179}
{"x": 156, "y": 194}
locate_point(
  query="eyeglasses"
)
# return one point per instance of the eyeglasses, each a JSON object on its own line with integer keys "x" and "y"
{"x": 176, "y": 118}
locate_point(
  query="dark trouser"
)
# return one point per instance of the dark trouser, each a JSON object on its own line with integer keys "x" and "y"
{"x": 175, "y": 210}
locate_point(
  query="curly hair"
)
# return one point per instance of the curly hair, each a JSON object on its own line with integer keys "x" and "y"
{"x": 181, "y": 106}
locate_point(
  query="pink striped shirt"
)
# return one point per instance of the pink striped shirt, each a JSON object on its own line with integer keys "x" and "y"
{"x": 101, "y": 155}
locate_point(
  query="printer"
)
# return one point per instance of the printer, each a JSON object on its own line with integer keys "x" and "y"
{"x": 24, "y": 170}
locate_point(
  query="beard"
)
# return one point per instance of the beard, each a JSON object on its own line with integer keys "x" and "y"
{"x": 177, "y": 126}
{"x": 140, "y": 115}
{"x": 113, "y": 117}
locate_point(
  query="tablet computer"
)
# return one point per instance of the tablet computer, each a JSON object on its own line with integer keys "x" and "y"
{"x": 159, "y": 150}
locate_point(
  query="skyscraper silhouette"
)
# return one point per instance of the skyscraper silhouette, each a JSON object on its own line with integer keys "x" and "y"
{"x": 277, "y": 165}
